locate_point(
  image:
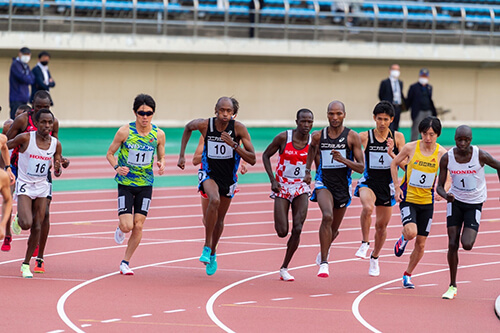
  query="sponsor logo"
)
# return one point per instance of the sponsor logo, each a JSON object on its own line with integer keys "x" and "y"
{"x": 425, "y": 164}
{"x": 471, "y": 166}
{"x": 463, "y": 172}
{"x": 38, "y": 157}
{"x": 342, "y": 139}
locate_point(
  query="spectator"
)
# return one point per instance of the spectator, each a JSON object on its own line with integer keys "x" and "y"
{"x": 391, "y": 90}
{"x": 20, "y": 79}
{"x": 420, "y": 101}
{"x": 43, "y": 79}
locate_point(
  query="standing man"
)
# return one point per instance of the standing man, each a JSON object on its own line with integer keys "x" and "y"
{"x": 376, "y": 189}
{"x": 391, "y": 90}
{"x": 36, "y": 150}
{"x": 416, "y": 193}
{"x": 20, "y": 79}
{"x": 43, "y": 79}
{"x": 420, "y": 101}
{"x": 465, "y": 198}
{"x": 137, "y": 142}
{"x": 217, "y": 178}
{"x": 288, "y": 186}
{"x": 339, "y": 150}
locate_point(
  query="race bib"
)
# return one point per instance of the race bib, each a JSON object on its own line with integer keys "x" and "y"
{"x": 422, "y": 179}
{"x": 38, "y": 168}
{"x": 294, "y": 171}
{"x": 464, "y": 182}
{"x": 202, "y": 175}
{"x": 327, "y": 161}
{"x": 219, "y": 150}
{"x": 140, "y": 157}
{"x": 380, "y": 161}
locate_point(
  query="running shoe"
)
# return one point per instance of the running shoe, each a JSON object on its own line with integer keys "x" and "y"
{"x": 125, "y": 270}
{"x": 285, "y": 276}
{"x": 399, "y": 247}
{"x": 212, "y": 265}
{"x": 16, "y": 228}
{"x": 323, "y": 270}
{"x": 374, "y": 269}
{"x": 6, "y": 243}
{"x": 39, "y": 266}
{"x": 205, "y": 255}
{"x": 25, "y": 269}
{"x": 407, "y": 282}
{"x": 450, "y": 293}
{"x": 35, "y": 253}
{"x": 119, "y": 236}
{"x": 318, "y": 257}
{"x": 361, "y": 253}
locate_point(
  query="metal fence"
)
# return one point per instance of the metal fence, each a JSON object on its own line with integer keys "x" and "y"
{"x": 384, "y": 21}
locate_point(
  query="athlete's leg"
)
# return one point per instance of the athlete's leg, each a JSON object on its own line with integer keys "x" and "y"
{"x": 325, "y": 202}
{"x": 25, "y": 211}
{"x": 417, "y": 253}
{"x": 468, "y": 238}
{"x": 382, "y": 220}
{"x": 281, "y": 207}
{"x": 44, "y": 234}
{"x": 338, "y": 216}
{"x": 219, "y": 226}
{"x": 211, "y": 188}
{"x": 367, "y": 198}
{"x": 410, "y": 231}
{"x": 136, "y": 235}
{"x": 204, "y": 205}
{"x": 453, "y": 244}
{"x": 39, "y": 205}
{"x": 299, "y": 213}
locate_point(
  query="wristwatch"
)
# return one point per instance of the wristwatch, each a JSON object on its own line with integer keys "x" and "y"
{"x": 116, "y": 167}
{"x": 6, "y": 167}
{"x": 236, "y": 145}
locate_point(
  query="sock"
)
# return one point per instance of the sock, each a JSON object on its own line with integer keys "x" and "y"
{"x": 125, "y": 262}
{"x": 26, "y": 263}
{"x": 407, "y": 274}
{"x": 363, "y": 242}
{"x": 371, "y": 256}
{"x": 324, "y": 262}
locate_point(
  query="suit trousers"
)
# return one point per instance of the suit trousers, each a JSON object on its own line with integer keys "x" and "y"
{"x": 397, "y": 115}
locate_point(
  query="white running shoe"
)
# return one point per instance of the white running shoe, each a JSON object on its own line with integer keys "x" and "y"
{"x": 285, "y": 276}
{"x": 374, "y": 269}
{"x": 362, "y": 250}
{"x": 119, "y": 236}
{"x": 323, "y": 271}
{"x": 125, "y": 270}
{"x": 318, "y": 257}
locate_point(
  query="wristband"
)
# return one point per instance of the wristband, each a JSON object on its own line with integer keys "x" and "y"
{"x": 308, "y": 170}
{"x": 7, "y": 167}
{"x": 116, "y": 167}
{"x": 236, "y": 145}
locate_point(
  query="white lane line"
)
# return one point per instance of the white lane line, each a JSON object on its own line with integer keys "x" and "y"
{"x": 247, "y": 302}
{"x": 462, "y": 282}
{"x": 174, "y": 311}
{"x": 86, "y": 325}
{"x": 56, "y": 331}
{"x": 427, "y": 285}
{"x": 492, "y": 279}
{"x": 320, "y": 295}
{"x": 353, "y": 292}
{"x": 281, "y": 299}
{"x": 393, "y": 288}
{"x": 110, "y": 320}
{"x": 142, "y": 315}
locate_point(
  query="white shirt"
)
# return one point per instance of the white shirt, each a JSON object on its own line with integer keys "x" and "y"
{"x": 468, "y": 182}
{"x": 396, "y": 90}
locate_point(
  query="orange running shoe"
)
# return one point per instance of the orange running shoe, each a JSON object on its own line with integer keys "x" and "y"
{"x": 39, "y": 267}
{"x": 6, "y": 243}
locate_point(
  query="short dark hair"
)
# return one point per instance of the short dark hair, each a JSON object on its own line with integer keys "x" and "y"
{"x": 301, "y": 111}
{"x": 384, "y": 107}
{"x": 25, "y": 50}
{"x": 144, "y": 99}
{"x": 42, "y": 94}
{"x": 42, "y": 111}
{"x": 24, "y": 108}
{"x": 236, "y": 105}
{"x": 43, "y": 53}
{"x": 430, "y": 122}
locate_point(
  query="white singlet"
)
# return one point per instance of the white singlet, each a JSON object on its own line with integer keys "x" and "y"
{"x": 468, "y": 182}
{"x": 34, "y": 162}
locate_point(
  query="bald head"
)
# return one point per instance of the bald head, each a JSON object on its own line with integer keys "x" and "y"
{"x": 335, "y": 103}
{"x": 223, "y": 99}
{"x": 463, "y": 131}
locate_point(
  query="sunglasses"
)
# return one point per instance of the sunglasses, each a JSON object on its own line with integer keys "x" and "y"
{"x": 144, "y": 113}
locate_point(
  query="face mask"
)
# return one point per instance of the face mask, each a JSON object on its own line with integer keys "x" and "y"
{"x": 44, "y": 63}
{"x": 25, "y": 58}
{"x": 395, "y": 73}
{"x": 423, "y": 80}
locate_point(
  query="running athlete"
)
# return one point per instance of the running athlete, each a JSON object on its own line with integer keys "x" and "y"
{"x": 288, "y": 186}
{"x": 416, "y": 192}
{"x": 217, "y": 178}
{"x": 375, "y": 189}
{"x": 339, "y": 149}
{"x": 137, "y": 142}
{"x": 36, "y": 150}
{"x": 5, "y": 183}
{"x": 465, "y": 198}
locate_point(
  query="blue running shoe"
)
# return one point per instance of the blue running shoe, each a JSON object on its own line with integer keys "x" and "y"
{"x": 399, "y": 247}
{"x": 407, "y": 282}
{"x": 212, "y": 266}
{"x": 205, "y": 255}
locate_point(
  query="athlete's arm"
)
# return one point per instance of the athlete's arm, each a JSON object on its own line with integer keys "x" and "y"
{"x": 404, "y": 153}
{"x": 6, "y": 125}
{"x": 18, "y": 126}
{"x": 55, "y": 134}
{"x": 195, "y": 124}
{"x": 486, "y": 158}
{"x": 120, "y": 137}
{"x": 7, "y": 202}
{"x": 6, "y": 157}
{"x": 278, "y": 143}
{"x": 311, "y": 155}
{"x": 247, "y": 152}
{"x": 400, "y": 142}
{"x": 443, "y": 173}
{"x": 363, "y": 136}
{"x": 57, "y": 159}
{"x": 354, "y": 142}
{"x": 21, "y": 141}
{"x": 160, "y": 150}
{"x": 199, "y": 151}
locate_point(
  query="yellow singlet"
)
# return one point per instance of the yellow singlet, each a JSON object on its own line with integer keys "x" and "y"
{"x": 420, "y": 175}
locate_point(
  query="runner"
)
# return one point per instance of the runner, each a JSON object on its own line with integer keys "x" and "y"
{"x": 36, "y": 150}
{"x": 465, "y": 197}
{"x": 416, "y": 192}
{"x": 6, "y": 180}
{"x": 288, "y": 185}
{"x": 375, "y": 189}
{"x": 137, "y": 142}
{"x": 339, "y": 149}
{"x": 217, "y": 178}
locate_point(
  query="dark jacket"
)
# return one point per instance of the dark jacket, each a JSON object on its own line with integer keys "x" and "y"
{"x": 20, "y": 79}
{"x": 39, "y": 84}
{"x": 385, "y": 91}
{"x": 415, "y": 96}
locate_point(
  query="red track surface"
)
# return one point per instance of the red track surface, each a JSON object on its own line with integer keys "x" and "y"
{"x": 170, "y": 291}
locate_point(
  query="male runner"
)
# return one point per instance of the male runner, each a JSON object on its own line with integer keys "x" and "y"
{"x": 375, "y": 189}
{"x": 36, "y": 150}
{"x": 339, "y": 149}
{"x": 137, "y": 142}
{"x": 288, "y": 186}
{"x": 465, "y": 198}
{"x": 217, "y": 178}
{"x": 6, "y": 179}
{"x": 416, "y": 192}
